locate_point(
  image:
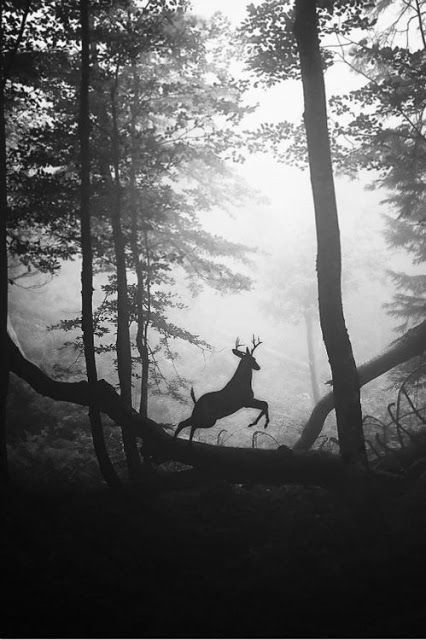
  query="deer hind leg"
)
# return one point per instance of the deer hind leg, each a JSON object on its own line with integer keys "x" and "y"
{"x": 206, "y": 424}
{"x": 263, "y": 406}
{"x": 182, "y": 425}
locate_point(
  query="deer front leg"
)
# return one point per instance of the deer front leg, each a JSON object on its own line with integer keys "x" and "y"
{"x": 182, "y": 425}
{"x": 259, "y": 404}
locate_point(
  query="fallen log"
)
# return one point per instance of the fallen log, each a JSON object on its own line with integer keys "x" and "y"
{"x": 235, "y": 464}
{"x": 411, "y": 344}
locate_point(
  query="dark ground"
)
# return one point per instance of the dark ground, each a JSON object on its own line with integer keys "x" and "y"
{"x": 218, "y": 562}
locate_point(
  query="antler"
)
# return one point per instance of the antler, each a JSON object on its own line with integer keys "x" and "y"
{"x": 238, "y": 344}
{"x": 254, "y": 343}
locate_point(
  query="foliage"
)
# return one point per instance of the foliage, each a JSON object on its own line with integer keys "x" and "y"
{"x": 271, "y": 44}
{"x": 381, "y": 127}
{"x": 51, "y": 442}
{"x": 164, "y": 110}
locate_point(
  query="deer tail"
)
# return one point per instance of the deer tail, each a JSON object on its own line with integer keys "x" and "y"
{"x": 193, "y": 395}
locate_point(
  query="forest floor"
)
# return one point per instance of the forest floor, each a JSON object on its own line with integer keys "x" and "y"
{"x": 223, "y": 561}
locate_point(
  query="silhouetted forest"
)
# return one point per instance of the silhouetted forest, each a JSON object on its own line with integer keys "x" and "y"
{"x": 213, "y": 318}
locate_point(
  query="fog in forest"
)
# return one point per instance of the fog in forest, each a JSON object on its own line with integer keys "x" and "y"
{"x": 194, "y": 442}
{"x": 276, "y": 221}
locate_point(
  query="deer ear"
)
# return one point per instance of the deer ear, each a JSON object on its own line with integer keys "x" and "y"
{"x": 247, "y": 351}
{"x": 238, "y": 353}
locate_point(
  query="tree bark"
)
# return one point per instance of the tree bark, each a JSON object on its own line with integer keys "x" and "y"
{"x": 140, "y": 315}
{"x": 105, "y": 464}
{"x": 336, "y": 339}
{"x": 141, "y": 318}
{"x": 312, "y": 356}
{"x": 143, "y": 405}
{"x": 4, "y": 282}
{"x": 411, "y": 344}
{"x": 144, "y": 353}
{"x": 123, "y": 345}
{"x": 124, "y": 359}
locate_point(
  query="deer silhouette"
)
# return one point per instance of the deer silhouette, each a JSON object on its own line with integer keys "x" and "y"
{"x": 235, "y": 395}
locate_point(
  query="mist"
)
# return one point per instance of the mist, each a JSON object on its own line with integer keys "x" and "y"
{"x": 279, "y": 224}
{"x": 212, "y": 396}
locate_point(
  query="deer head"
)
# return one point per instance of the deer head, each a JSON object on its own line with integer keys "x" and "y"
{"x": 247, "y": 355}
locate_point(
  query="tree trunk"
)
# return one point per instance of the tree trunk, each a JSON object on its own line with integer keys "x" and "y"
{"x": 143, "y": 407}
{"x": 105, "y": 465}
{"x": 143, "y": 327}
{"x": 124, "y": 353}
{"x": 336, "y": 339}
{"x": 411, "y": 344}
{"x": 124, "y": 359}
{"x": 145, "y": 353}
{"x": 142, "y": 321}
{"x": 4, "y": 363}
{"x": 311, "y": 355}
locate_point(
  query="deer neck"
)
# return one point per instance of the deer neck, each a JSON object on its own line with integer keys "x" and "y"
{"x": 242, "y": 376}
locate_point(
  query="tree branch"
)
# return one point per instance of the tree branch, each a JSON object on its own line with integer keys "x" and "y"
{"x": 411, "y": 344}
{"x": 17, "y": 43}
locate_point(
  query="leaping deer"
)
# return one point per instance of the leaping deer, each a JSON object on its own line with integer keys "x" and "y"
{"x": 234, "y": 396}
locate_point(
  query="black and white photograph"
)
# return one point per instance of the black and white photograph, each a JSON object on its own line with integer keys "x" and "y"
{"x": 213, "y": 318}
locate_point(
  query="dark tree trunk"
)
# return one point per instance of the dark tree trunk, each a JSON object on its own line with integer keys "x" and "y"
{"x": 312, "y": 355}
{"x": 145, "y": 361}
{"x": 4, "y": 361}
{"x": 140, "y": 333}
{"x": 142, "y": 317}
{"x": 124, "y": 358}
{"x": 143, "y": 407}
{"x": 411, "y": 344}
{"x": 336, "y": 339}
{"x": 124, "y": 352}
{"x": 105, "y": 465}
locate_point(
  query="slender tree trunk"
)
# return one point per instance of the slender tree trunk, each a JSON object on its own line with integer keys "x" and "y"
{"x": 420, "y": 15}
{"x": 336, "y": 339}
{"x": 123, "y": 317}
{"x": 124, "y": 353}
{"x": 311, "y": 355}
{"x": 145, "y": 362}
{"x": 143, "y": 407}
{"x": 141, "y": 335}
{"x": 105, "y": 465}
{"x": 4, "y": 363}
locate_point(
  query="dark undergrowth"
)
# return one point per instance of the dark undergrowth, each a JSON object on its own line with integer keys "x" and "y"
{"x": 223, "y": 561}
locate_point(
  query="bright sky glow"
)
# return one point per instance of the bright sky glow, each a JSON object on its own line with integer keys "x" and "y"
{"x": 289, "y": 214}
{"x": 279, "y": 228}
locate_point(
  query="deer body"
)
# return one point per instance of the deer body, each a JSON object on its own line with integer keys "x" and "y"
{"x": 235, "y": 395}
